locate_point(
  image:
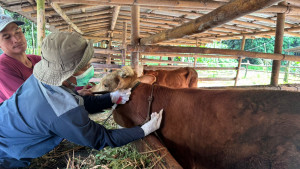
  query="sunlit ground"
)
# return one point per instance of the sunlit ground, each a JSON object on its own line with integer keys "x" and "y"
{"x": 251, "y": 78}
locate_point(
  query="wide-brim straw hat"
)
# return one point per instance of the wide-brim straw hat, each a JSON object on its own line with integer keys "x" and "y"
{"x": 63, "y": 54}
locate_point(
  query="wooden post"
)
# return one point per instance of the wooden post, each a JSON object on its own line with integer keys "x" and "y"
{"x": 160, "y": 58}
{"x": 40, "y": 24}
{"x": 135, "y": 35}
{"x": 108, "y": 59}
{"x": 278, "y": 46}
{"x": 243, "y": 41}
{"x": 170, "y": 59}
{"x": 33, "y": 39}
{"x": 246, "y": 68}
{"x": 124, "y": 38}
{"x": 287, "y": 71}
{"x": 195, "y": 61}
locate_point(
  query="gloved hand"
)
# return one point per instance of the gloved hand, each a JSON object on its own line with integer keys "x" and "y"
{"x": 153, "y": 124}
{"x": 120, "y": 96}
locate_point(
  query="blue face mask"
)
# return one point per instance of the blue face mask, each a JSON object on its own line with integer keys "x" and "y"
{"x": 84, "y": 78}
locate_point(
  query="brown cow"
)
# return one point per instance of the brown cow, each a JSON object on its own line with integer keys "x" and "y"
{"x": 178, "y": 78}
{"x": 222, "y": 129}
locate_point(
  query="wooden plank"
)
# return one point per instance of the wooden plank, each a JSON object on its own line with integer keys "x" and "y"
{"x": 146, "y": 67}
{"x": 278, "y": 46}
{"x": 216, "y": 79}
{"x": 287, "y": 87}
{"x": 164, "y": 158}
{"x": 57, "y": 8}
{"x": 104, "y": 66}
{"x": 124, "y": 38}
{"x": 40, "y": 24}
{"x": 176, "y": 49}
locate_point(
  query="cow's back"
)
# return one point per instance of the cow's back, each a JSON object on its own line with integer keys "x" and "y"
{"x": 178, "y": 78}
{"x": 223, "y": 128}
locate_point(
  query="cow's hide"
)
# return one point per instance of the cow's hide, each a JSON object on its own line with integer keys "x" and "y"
{"x": 178, "y": 78}
{"x": 222, "y": 129}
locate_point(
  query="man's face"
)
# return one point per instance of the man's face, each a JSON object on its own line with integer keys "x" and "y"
{"x": 12, "y": 40}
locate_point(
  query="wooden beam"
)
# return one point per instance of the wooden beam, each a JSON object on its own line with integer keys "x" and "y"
{"x": 115, "y": 17}
{"x": 243, "y": 42}
{"x": 219, "y": 16}
{"x": 80, "y": 20}
{"x": 124, "y": 38}
{"x": 271, "y": 32}
{"x": 278, "y": 46}
{"x": 176, "y": 49}
{"x": 53, "y": 12}
{"x": 135, "y": 35}
{"x": 93, "y": 23}
{"x": 32, "y": 7}
{"x": 32, "y": 2}
{"x": 56, "y": 7}
{"x": 104, "y": 66}
{"x": 40, "y": 24}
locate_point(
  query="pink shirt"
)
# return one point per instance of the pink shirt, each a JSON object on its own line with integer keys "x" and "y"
{"x": 13, "y": 74}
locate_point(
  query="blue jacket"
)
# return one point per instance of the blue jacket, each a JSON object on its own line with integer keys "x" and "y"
{"x": 39, "y": 116}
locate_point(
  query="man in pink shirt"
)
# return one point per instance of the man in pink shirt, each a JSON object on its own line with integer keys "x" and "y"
{"x": 15, "y": 65}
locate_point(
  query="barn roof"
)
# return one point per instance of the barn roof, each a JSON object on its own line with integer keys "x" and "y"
{"x": 103, "y": 19}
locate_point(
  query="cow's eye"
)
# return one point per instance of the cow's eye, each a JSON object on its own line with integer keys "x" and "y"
{"x": 105, "y": 85}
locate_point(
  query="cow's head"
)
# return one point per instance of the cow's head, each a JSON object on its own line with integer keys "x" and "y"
{"x": 122, "y": 79}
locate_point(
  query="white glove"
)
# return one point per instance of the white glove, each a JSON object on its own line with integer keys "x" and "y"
{"x": 120, "y": 96}
{"x": 153, "y": 124}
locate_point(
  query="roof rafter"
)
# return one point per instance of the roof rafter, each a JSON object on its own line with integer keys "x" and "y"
{"x": 56, "y": 7}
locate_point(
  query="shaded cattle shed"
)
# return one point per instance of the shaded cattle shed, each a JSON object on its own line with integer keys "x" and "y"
{"x": 128, "y": 30}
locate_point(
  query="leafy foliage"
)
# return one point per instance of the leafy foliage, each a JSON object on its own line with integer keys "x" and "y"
{"x": 263, "y": 45}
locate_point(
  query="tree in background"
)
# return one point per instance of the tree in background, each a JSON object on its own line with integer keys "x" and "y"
{"x": 263, "y": 45}
{"x": 29, "y": 29}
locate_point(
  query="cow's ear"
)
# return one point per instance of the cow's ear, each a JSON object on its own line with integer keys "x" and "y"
{"x": 149, "y": 79}
{"x": 126, "y": 71}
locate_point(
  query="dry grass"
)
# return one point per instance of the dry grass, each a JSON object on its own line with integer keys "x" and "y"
{"x": 71, "y": 156}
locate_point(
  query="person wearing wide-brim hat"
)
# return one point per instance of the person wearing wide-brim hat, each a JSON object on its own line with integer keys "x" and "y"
{"x": 45, "y": 110}
{"x": 15, "y": 65}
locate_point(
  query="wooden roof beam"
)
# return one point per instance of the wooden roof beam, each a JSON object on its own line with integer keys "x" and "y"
{"x": 80, "y": 20}
{"x": 67, "y": 9}
{"x": 58, "y": 19}
{"x": 92, "y": 23}
{"x": 271, "y": 32}
{"x": 219, "y": 16}
{"x": 56, "y": 7}
{"x": 33, "y": 7}
{"x": 115, "y": 17}
{"x": 177, "y": 49}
